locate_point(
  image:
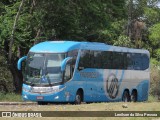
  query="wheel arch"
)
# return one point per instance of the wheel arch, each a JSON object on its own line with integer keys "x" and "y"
{"x": 135, "y": 91}
{"x": 81, "y": 91}
{"x": 126, "y": 90}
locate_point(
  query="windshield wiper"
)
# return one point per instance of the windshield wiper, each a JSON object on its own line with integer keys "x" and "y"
{"x": 32, "y": 84}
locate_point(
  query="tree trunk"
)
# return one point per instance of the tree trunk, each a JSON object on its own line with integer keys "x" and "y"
{"x": 129, "y": 26}
{"x": 17, "y": 78}
{"x": 37, "y": 35}
{"x": 13, "y": 31}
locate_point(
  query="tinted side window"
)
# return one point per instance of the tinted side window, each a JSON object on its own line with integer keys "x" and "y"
{"x": 113, "y": 60}
{"x": 125, "y": 61}
{"x": 137, "y": 63}
{"x": 92, "y": 60}
{"x": 118, "y": 61}
{"x": 129, "y": 61}
{"x": 97, "y": 59}
{"x": 85, "y": 59}
{"x": 73, "y": 54}
{"x": 145, "y": 62}
{"x": 106, "y": 60}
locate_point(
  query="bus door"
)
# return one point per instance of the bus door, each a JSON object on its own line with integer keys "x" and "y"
{"x": 87, "y": 75}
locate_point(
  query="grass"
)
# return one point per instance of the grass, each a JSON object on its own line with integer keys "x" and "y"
{"x": 113, "y": 106}
{"x": 152, "y": 98}
{"x": 151, "y": 105}
{"x": 10, "y": 97}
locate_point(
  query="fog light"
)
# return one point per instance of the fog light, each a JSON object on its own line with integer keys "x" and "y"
{"x": 57, "y": 97}
{"x": 25, "y": 96}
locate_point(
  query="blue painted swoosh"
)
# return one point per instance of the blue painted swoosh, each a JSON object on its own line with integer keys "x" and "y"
{"x": 120, "y": 81}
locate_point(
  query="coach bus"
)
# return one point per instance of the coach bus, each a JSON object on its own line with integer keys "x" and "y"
{"x": 75, "y": 72}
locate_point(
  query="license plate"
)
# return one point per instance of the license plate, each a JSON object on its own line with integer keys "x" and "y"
{"x": 39, "y": 97}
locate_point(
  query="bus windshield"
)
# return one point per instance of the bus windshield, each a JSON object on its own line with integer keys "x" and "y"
{"x": 44, "y": 68}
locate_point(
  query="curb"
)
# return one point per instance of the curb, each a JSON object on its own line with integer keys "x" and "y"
{"x": 18, "y": 103}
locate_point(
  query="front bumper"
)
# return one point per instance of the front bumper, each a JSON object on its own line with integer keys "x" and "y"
{"x": 57, "y": 95}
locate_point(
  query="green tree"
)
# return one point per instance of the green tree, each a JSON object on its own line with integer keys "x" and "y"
{"x": 23, "y": 26}
{"x": 155, "y": 40}
{"x": 13, "y": 31}
{"x": 124, "y": 41}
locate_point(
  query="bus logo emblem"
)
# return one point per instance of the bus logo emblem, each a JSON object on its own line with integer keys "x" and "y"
{"x": 112, "y": 86}
{"x": 43, "y": 78}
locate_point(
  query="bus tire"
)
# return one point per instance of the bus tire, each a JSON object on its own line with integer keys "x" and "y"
{"x": 78, "y": 99}
{"x": 134, "y": 96}
{"x": 126, "y": 96}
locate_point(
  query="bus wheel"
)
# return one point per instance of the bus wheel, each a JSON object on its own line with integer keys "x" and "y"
{"x": 126, "y": 97}
{"x": 78, "y": 99}
{"x": 134, "y": 96}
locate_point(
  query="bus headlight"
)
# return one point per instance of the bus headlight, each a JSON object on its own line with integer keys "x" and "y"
{"x": 25, "y": 89}
{"x": 54, "y": 89}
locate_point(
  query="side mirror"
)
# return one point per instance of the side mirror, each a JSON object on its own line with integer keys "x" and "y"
{"x": 19, "y": 64}
{"x": 64, "y": 62}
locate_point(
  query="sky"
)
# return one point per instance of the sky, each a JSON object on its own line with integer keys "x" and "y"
{"x": 158, "y": 4}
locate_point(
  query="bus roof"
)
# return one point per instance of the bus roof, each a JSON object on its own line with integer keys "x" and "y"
{"x": 55, "y": 46}
{"x": 64, "y": 46}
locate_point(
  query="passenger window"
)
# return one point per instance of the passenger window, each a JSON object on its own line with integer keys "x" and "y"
{"x": 97, "y": 58}
{"x": 129, "y": 61}
{"x": 106, "y": 60}
{"x": 113, "y": 60}
{"x": 85, "y": 61}
{"x": 145, "y": 62}
{"x": 137, "y": 61}
{"x": 118, "y": 62}
{"x": 125, "y": 61}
